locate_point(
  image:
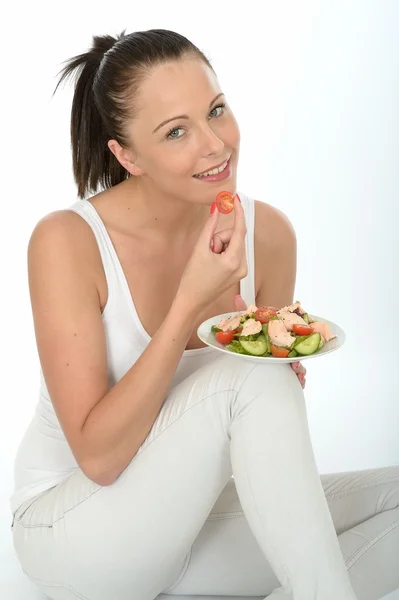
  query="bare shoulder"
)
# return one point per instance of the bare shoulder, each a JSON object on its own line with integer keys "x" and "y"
{"x": 65, "y": 238}
{"x": 61, "y": 227}
{"x": 273, "y": 229}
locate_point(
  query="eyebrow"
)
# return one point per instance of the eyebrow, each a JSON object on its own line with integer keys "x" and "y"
{"x": 183, "y": 116}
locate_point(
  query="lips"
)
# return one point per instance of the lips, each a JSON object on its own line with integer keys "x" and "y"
{"x": 214, "y": 167}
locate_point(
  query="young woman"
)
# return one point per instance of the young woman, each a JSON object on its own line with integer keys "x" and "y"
{"x": 124, "y": 484}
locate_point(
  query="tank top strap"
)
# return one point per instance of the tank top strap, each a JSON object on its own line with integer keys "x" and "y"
{"x": 247, "y": 285}
{"x": 107, "y": 252}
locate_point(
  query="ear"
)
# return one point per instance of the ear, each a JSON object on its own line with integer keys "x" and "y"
{"x": 124, "y": 156}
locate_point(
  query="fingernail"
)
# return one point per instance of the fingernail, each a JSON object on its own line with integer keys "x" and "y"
{"x": 213, "y": 208}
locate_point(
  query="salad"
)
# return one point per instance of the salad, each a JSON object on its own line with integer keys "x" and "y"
{"x": 268, "y": 331}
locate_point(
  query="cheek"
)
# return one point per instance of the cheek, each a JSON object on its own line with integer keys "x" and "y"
{"x": 235, "y": 133}
{"x": 229, "y": 132}
{"x": 175, "y": 160}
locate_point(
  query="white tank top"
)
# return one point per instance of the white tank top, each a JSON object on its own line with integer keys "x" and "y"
{"x": 44, "y": 458}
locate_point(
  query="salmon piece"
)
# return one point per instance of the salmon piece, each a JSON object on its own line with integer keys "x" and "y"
{"x": 323, "y": 329}
{"x": 279, "y": 336}
{"x": 252, "y": 308}
{"x": 251, "y": 327}
{"x": 289, "y": 319}
{"x": 230, "y": 324}
{"x": 296, "y": 307}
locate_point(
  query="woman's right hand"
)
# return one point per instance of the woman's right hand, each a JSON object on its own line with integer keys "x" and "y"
{"x": 218, "y": 261}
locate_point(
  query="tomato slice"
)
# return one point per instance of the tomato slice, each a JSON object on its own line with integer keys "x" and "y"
{"x": 279, "y": 352}
{"x": 302, "y": 329}
{"x": 264, "y": 314}
{"x": 225, "y": 202}
{"x": 225, "y": 337}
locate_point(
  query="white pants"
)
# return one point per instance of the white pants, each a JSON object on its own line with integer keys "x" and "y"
{"x": 176, "y": 523}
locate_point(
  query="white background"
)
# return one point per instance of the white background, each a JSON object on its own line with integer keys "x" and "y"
{"x": 315, "y": 89}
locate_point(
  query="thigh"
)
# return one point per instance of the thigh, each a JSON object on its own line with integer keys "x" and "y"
{"x": 225, "y": 558}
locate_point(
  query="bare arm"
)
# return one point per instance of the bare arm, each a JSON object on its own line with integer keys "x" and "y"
{"x": 104, "y": 427}
{"x": 276, "y": 257}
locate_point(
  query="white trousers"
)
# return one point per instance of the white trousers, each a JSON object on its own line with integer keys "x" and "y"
{"x": 176, "y": 523}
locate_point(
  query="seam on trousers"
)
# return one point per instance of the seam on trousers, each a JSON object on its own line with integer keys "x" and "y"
{"x": 227, "y": 515}
{"x": 56, "y": 585}
{"x": 361, "y": 487}
{"x": 59, "y": 518}
{"x": 143, "y": 448}
{"x": 245, "y": 380}
{"x": 182, "y": 574}
{"x": 370, "y": 544}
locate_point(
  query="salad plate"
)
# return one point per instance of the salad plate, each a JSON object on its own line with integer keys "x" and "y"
{"x": 283, "y": 335}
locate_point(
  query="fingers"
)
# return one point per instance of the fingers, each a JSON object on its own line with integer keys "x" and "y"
{"x": 210, "y": 227}
{"x": 237, "y": 241}
{"x": 298, "y": 368}
{"x": 300, "y": 371}
{"x": 239, "y": 303}
{"x": 221, "y": 239}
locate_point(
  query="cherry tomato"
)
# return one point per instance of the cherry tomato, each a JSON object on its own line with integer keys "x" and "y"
{"x": 302, "y": 329}
{"x": 225, "y": 337}
{"x": 264, "y": 314}
{"x": 279, "y": 352}
{"x": 225, "y": 202}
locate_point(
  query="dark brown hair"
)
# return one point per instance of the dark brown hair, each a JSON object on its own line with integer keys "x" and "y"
{"x": 107, "y": 78}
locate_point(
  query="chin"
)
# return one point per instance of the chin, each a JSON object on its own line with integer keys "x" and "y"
{"x": 206, "y": 192}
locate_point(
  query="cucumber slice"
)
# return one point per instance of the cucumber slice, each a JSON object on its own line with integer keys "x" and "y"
{"x": 268, "y": 342}
{"x": 299, "y": 339}
{"x": 265, "y": 329}
{"x": 321, "y": 342}
{"x": 305, "y": 317}
{"x": 292, "y": 354}
{"x": 257, "y": 347}
{"x": 310, "y": 345}
{"x": 215, "y": 329}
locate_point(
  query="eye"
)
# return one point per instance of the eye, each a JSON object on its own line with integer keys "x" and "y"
{"x": 171, "y": 136}
{"x": 219, "y": 106}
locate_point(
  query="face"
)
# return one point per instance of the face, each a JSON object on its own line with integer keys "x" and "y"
{"x": 184, "y": 128}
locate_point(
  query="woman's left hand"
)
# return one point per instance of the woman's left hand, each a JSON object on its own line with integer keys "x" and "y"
{"x": 298, "y": 368}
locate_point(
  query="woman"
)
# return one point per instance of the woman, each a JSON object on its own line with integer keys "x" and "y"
{"x": 124, "y": 479}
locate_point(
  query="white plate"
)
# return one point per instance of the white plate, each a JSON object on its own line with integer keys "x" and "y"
{"x": 204, "y": 333}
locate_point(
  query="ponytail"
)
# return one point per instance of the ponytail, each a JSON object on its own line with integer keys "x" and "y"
{"x": 92, "y": 161}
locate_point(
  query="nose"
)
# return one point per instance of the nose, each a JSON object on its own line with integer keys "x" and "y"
{"x": 211, "y": 143}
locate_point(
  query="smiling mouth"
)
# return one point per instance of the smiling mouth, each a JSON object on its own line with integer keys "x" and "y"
{"x": 213, "y": 171}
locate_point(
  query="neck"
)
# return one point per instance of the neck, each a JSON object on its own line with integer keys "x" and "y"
{"x": 162, "y": 214}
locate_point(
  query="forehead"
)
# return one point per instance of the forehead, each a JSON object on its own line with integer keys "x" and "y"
{"x": 177, "y": 86}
